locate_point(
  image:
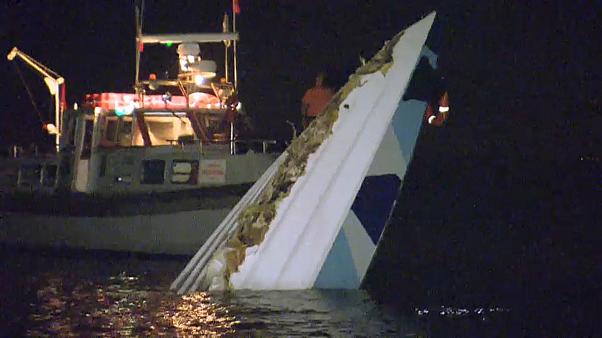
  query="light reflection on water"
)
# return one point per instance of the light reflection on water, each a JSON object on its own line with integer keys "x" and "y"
{"x": 123, "y": 305}
{"x": 108, "y": 296}
{"x": 72, "y": 298}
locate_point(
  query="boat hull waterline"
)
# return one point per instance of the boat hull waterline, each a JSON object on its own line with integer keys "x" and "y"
{"x": 179, "y": 233}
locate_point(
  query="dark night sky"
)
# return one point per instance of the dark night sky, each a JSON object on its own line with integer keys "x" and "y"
{"x": 504, "y": 179}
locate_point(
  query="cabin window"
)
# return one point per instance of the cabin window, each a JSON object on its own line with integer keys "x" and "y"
{"x": 111, "y": 129}
{"x": 184, "y": 172}
{"x": 124, "y": 136}
{"x": 117, "y": 131}
{"x": 217, "y": 126}
{"x": 49, "y": 175}
{"x": 87, "y": 144}
{"x": 71, "y": 132}
{"x": 153, "y": 171}
{"x": 29, "y": 174}
{"x": 103, "y": 166}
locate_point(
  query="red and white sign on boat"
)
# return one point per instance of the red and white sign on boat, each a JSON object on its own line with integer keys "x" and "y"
{"x": 111, "y": 101}
{"x": 212, "y": 171}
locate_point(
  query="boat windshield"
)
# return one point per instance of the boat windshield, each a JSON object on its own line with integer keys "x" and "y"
{"x": 117, "y": 131}
{"x": 164, "y": 128}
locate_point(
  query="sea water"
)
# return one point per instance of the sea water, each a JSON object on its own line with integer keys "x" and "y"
{"x": 48, "y": 293}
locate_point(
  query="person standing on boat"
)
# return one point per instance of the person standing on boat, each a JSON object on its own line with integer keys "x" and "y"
{"x": 315, "y": 100}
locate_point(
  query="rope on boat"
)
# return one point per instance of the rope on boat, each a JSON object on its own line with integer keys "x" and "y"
{"x": 29, "y": 93}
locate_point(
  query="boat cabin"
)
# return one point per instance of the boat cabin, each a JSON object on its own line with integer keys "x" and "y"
{"x": 169, "y": 135}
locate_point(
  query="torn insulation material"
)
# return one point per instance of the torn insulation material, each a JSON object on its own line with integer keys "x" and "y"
{"x": 254, "y": 221}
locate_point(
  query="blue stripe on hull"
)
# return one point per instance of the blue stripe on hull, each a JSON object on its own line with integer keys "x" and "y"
{"x": 374, "y": 201}
{"x": 339, "y": 270}
{"x": 406, "y": 125}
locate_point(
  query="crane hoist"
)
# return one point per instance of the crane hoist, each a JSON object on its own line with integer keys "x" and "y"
{"x": 56, "y": 86}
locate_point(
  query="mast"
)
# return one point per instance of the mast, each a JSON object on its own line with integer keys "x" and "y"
{"x": 226, "y": 29}
{"x": 139, "y": 44}
{"x": 235, "y": 9}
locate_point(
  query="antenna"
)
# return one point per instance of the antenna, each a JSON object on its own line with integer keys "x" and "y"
{"x": 139, "y": 10}
{"x": 235, "y": 10}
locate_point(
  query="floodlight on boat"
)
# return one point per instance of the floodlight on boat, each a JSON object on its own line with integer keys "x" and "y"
{"x": 50, "y": 128}
{"x": 206, "y": 68}
{"x": 199, "y": 79}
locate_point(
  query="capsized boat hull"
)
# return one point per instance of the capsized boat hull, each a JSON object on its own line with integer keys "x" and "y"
{"x": 287, "y": 233}
{"x": 334, "y": 172}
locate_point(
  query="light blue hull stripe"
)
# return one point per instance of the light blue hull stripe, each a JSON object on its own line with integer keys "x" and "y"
{"x": 374, "y": 202}
{"x": 373, "y": 207}
{"x": 339, "y": 269}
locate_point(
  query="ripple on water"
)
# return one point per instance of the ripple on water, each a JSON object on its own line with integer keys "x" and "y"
{"x": 123, "y": 305}
{"x": 108, "y": 296}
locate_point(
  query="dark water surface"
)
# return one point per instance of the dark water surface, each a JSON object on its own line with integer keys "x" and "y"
{"x": 74, "y": 294}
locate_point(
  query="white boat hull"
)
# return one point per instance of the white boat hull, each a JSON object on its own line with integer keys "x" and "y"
{"x": 319, "y": 226}
{"x": 167, "y": 222}
{"x": 311, "y": 216}
{"x": 178, "y": 233}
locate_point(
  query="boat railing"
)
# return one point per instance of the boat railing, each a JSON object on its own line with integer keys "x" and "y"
{"x": 18, "y": 151}
{"x": 264, "y": 144}
{"x": 242, "y": 145}
{"x": 37, "y": 175}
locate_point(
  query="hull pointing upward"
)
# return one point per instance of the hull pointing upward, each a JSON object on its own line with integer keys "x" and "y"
{"x": 305, "y": 219}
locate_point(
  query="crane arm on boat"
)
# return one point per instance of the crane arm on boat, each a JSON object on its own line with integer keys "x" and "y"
{"x": 55, "y": 84}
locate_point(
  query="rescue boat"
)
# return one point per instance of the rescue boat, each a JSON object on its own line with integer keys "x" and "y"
{"x": 152, "y": 171}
